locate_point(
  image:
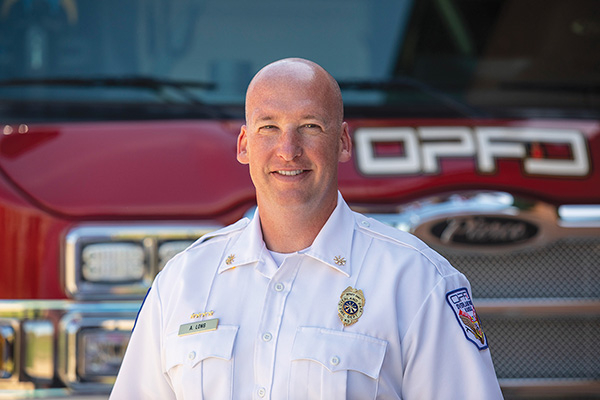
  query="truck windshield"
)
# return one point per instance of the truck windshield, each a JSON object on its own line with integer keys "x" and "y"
{"x": 391, "y": 57}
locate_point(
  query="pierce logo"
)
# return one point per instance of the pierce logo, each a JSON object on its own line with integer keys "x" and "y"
{"x": 484, "y": 230}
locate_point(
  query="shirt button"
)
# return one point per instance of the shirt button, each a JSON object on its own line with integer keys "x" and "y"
{"x": 279, "y": 287}
{"x": 191, "y": 355}
{"x": 335, "y": 360}
{"x": 261, "y": 392}
{"x": 267, "y": 337}
{"x": 366, "y": 223}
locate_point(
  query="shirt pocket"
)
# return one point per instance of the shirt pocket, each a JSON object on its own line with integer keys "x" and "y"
{"x": 328, "y": 364}
{"x": 200, "y": 365}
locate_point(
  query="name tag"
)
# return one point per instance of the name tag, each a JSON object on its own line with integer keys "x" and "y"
{"x": 196, "y": 327}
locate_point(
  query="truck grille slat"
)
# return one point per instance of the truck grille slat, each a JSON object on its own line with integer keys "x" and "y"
{"x": 567, "y": 268}
{"x": 544, "y": 348}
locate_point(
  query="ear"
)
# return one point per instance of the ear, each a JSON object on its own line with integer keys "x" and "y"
{"x": 242, "y": 146}
{"x": 346, "y": 144}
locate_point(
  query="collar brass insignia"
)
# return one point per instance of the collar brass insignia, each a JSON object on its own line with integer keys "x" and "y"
{"x": 351, "y": 304}
{"x": 339, "y": 260}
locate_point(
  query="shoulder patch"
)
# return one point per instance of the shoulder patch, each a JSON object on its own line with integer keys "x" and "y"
{"x": 464, "y": 311}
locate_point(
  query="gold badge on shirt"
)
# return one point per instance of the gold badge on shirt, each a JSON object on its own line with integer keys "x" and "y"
{"x": 351, "y": 304}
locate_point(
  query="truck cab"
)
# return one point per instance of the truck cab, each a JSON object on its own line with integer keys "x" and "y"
{"x": 475, "y": 126}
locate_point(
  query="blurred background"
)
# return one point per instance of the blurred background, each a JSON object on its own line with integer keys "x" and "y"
{"x": 117, "y": 150}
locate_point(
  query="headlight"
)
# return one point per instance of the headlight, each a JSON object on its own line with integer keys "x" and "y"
{"x": 120, "y": 261}
{"x": 91, "y": 347}
{"x": 101, "y": 352}
{"x": 113, "y": 262}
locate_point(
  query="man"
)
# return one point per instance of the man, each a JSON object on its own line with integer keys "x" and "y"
{"x": 308, "y": 300}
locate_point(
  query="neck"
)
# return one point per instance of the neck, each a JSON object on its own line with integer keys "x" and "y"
{"x": 288, "y": 229}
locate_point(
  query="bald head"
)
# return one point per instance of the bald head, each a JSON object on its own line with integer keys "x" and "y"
{"x": 299, "y": 75}
{"x": 293, "y": 140}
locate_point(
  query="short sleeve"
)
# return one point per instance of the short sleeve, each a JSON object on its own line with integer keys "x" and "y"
{"x": 141, "y": 375}
{"x": 447, "y": 355}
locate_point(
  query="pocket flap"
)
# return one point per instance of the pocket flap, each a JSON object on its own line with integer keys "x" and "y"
{"x": 337, "y": 350}
{"x": 191, "y": 349}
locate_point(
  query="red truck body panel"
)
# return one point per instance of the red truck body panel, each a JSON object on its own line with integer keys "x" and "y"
{"x": 128, "y": 169}
{"x": 57, "y": 174}
{"x": 158, "y": 169}
{"x": 461, "y": 173}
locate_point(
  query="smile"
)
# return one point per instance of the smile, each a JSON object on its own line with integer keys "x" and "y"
{"x": 291, "y": 173}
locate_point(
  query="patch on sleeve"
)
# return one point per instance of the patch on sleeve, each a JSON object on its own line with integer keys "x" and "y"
{"x": 460, "y": 302}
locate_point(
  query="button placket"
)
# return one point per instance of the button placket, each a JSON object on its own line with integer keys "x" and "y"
{"x": 270, "y": 323}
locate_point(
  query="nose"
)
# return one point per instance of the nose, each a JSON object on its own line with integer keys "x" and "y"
{"x": 289, "y": 144}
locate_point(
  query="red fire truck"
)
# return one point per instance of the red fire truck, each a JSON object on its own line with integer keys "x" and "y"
{"x": 476, "y": 126}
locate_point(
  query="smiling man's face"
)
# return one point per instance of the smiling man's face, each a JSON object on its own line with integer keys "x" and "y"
{"x": 294, "y": 136}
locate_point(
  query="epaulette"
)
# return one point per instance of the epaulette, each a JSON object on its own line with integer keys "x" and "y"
{"x": 236, "y": 226}
{"x": 404, "y": 239}
{"x": 382, "y": 230}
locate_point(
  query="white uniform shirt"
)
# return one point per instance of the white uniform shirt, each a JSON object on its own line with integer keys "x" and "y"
{"x": 279, "y": 335}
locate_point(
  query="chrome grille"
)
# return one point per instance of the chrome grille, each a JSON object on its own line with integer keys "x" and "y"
{"x": 544, "y": 348}
{"x": 538, "y": 297}
{"x": 566, "y": 268}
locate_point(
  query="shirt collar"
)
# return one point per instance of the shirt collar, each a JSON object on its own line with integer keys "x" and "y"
{"x": 332, "y": 246}
{"x": 247, "y": 248}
